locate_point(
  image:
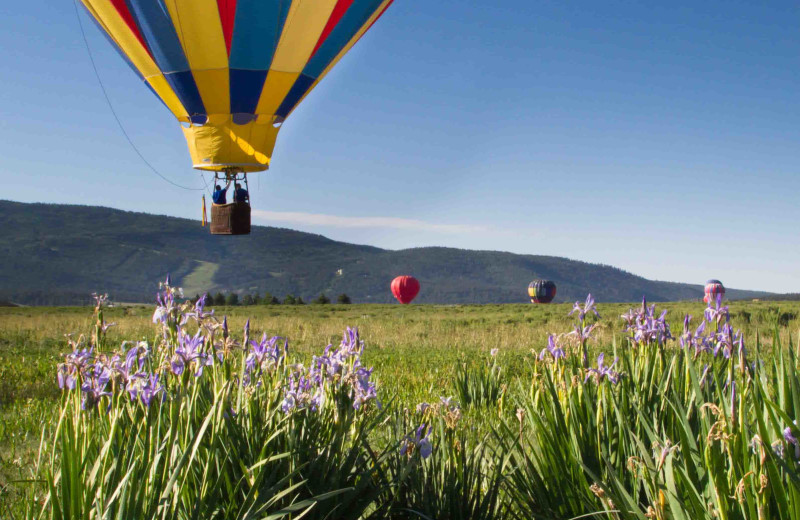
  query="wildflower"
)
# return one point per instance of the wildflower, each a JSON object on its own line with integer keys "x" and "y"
{"x": 644, "y": 328}
{"x": 363, "y": 390}
{"x": 423, "y": 407}
{"x": 74, "y": 365}
{"x": 603, "y": 371}
{"x": 301, "y": 393}
{"x": 100, "y": 300}
{"x": 94, "y": 386}
{"x": 123, "y": 371}
{"x": 167, "y": 309}
{"x": 145, "y": 387}
{"x": 583, "y": 333}
{"x": 494, "y": 352}
{"x": 160, "y": 315}
{"x": 718, "y": 313}
{"x": 791, "y": 440}
{"x": 189, "y": 352}
{"x": 198, "y": 313}
{"x": 351, "y": 342}
{"x": 263, "y": 354}
{"x": 696, "y": 340}
{"x": 724, "y": 341}
{"x": 150, "y": 389}
{"x": 589, "y": 306}
{"x": 104, "y": 326}
{"x": 420, "y": 442}
{"x": 553, "y": 348}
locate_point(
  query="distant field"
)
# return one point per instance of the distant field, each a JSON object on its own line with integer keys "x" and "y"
{"x": 415, "y": 349}
{"x": 418, "y": 343}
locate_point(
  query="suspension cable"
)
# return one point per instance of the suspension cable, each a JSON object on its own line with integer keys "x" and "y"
{"x": 114, "y": 112}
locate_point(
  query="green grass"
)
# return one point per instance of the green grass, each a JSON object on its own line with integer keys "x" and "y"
{"x": 201, "y": 279}
{"x": 420, "y": 353}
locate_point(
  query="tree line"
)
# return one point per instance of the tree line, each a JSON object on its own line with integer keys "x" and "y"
{"x": 233, "y": 299}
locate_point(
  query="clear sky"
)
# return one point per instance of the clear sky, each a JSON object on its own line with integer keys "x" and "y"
{"x": 664, "y": 140}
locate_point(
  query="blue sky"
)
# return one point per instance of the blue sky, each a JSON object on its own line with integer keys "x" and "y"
{"x": 659, "y": 139}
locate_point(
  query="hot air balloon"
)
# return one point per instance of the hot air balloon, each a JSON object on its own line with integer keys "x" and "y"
{"x": 713, "y": 288}
{"x": 405, "y": 288}
{"x": 542, "y": 291}
{"x": 231, "y": 71}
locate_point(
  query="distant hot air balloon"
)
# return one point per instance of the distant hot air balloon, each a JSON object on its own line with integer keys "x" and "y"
{"x": 231, "y": 71}
{"x": 542, "y": 291}
{"x": 405, "y": 288}
{"x": 713, "y": 288}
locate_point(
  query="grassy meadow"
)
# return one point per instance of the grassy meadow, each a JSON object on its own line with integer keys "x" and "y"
{"x": 507, "y": 402}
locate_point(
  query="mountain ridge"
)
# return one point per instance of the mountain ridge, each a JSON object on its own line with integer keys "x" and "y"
{"x": 58, "y": 254}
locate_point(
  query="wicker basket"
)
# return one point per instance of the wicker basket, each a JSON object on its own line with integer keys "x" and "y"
{"x": 230, "y": 219}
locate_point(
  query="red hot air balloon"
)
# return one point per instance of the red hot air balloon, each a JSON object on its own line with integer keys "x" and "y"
{"x": 405, "y": 288}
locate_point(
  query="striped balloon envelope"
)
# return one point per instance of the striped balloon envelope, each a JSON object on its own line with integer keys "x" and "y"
{"x": 712, "y": 290}
{"x": 542, "y": 291}
{"x": 231, "y": 71}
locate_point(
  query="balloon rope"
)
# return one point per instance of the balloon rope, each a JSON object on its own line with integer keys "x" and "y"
{"x": 114, "y": 112}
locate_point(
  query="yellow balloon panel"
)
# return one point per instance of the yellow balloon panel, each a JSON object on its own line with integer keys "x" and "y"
{"x": 222, "y": 145}
{"x": 231, "y": 68}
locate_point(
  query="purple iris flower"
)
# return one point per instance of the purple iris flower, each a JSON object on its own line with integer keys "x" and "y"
{"x": 420, "y": 442}
{"x": 188, "y": 352}
{"x": 363, "y": 389}
{"x": 124, "y": 371}
{"x": 150, "y": 389}
{"x": 94, "y": 386}
{"x": 264, "y": 352}
{"x": 589, "y": 306}
{"x": 696, "y": 340}
{"x": 644, "y": 327}
{"x": 351, "y": 342}
{"x": 553, "y": 348}
{"x": 75, "y": 363}
{"x": 791, "y": 440}
{"x": 198, "y": 313}
{"x": 583, "y": 333}
{"x": 301, "y": 393}
{"x": 717, "y": 313}
{"x": 603, "y": 371}
{"x": 725, "y": 340}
